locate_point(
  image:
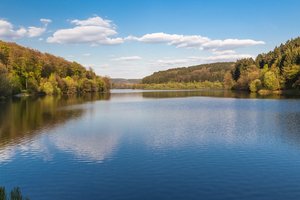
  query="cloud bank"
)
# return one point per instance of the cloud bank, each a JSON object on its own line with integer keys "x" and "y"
{"x": 200, "y": 59}
{"x": 127, "y": 58}
{"x": 96, "y": 30}
{"x": 194, "y": 41}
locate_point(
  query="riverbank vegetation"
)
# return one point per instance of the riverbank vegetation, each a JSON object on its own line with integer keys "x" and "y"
{"x": 180, "y": 85}
{"x": 27, "y": 71}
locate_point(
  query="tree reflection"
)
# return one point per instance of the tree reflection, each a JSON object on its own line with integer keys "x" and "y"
{"x": 23, "y": 117}
{"x": 210, "y": 93}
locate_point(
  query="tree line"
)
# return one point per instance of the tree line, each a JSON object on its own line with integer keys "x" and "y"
{"x": 30, "y": 71}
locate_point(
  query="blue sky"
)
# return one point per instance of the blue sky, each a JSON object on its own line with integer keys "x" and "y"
{"x": 134, "y": 38}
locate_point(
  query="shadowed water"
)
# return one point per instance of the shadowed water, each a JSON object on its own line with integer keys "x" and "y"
{"x": 152, "y": 145}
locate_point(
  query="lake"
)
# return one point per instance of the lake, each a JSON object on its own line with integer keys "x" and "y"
{"x": 134, "y": 144}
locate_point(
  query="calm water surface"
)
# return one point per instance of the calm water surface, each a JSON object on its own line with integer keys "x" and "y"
{"x": 152, "y": 145}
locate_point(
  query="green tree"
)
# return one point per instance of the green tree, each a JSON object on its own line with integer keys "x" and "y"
{"x": 47, "y": 88}
{"x": 271, "y": 81}
{"x": 5, "y": 85}
{"x": 228, "y": 81}
{"x": 71, "y": 85}
{"x": 4, "y": 55}
{"x": 291, "y": 74}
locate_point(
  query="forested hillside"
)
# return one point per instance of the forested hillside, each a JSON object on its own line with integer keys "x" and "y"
{"x": 30, "y": 71}
{"x": 121, "y": 83}
{"x": 277, "y": 70}
{"x": 207, "y": 72}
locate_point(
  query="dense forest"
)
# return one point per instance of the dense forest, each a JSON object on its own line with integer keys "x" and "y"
{"x": 277, "y": 70}
{"x": 207, "y": 72}
{"x": 24, "y": 70}
{"x": 274, "y": 71}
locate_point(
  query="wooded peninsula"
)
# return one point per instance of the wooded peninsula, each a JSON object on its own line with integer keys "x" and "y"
{"x": 27, "y": 71}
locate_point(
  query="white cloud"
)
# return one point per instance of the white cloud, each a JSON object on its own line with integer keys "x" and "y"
{"x": 105, "y": 66}
{"x": 231, "y": 43}
{"x": 89, "y": 65}
{"x": 225, "y": 58}
{"x": 93, "y": 21}
{"x": 193, "y": 60}
{"x": 223, "y": 52}
{"x": 93, "y": 30}
{"x": 168, "y": 62}
{"x": 46, "y": 21}
{"x": 86, "y": 54}
{"x": 194, "y": 41}
{"x": 8, "y": 31}
{"x": 35, "y": 31}
{"x": 127, "y": 58}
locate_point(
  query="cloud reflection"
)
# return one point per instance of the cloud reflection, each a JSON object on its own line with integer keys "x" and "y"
{"x": 94, "y": 147}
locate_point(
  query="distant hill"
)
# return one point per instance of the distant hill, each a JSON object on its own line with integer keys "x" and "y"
{"x": 206, "y": 72}
{"x": 121, "y": 83}
{"x": 125, "y": 81}
{"x": 27, "y": 70}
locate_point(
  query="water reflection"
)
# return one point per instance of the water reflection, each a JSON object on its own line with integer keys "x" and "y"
{"x": 91, "y": 132}
{"x": 289, "y": 126}
{"x": 139, "y": 144}
{"x": 212, "y": 93}
{"x": 21, "y": 119}
{"x": 224, "y": 122}
{"x": 87, "y": 146}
